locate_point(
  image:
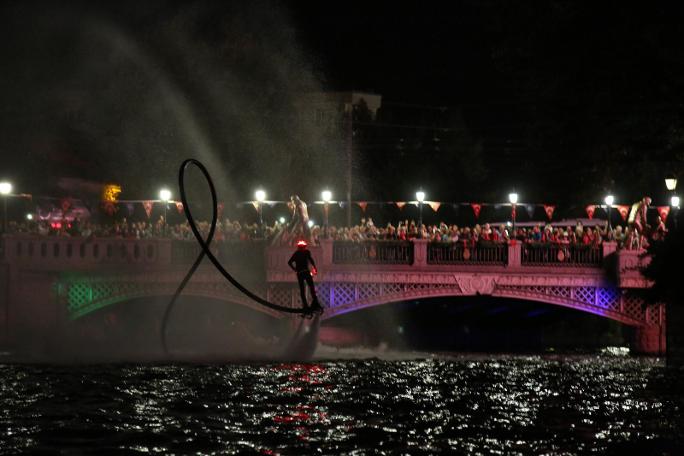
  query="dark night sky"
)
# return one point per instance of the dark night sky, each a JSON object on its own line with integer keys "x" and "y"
{"x": 564, "y": 100}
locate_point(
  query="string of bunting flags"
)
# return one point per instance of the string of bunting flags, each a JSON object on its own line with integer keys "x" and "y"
{"x": 65, "y": 204}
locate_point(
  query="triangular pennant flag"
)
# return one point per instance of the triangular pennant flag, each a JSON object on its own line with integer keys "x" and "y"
{"x": 530, "y": 210}
{"x": 179, "y": 207}
{"x": 400, "y": 204}
{"x": 590, "y": 211}
{"x": 663, "y": 211}
{"x": 130, "y": 207}
{"x": 362, "y": 205}
{"x": 476, "y": 209}
{"x": 434, "y": 205}
{"x": 623, "y": 210}
{"x": 148, "y": 207}
{"x": 549, "y": 210}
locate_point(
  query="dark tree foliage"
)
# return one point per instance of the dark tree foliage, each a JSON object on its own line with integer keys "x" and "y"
{"x": 665, "y": 270}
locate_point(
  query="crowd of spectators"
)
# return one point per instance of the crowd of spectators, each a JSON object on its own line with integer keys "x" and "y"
{"x": 540, "y": 233}
{"x": 366, "y": 230}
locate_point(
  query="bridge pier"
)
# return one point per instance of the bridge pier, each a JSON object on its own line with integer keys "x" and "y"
{"x": 649, "y": 340}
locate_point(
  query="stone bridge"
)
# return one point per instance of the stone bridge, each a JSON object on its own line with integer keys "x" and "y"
{"x": 46, "y": 282}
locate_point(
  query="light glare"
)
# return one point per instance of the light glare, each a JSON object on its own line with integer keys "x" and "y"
{"x": 5, "y": 188}
{"x": 610, "y": 199}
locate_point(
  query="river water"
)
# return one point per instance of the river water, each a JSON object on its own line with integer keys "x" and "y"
{"x": 459, "y": 405}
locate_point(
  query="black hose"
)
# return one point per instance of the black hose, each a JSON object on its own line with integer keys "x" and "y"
{"x": 207, "y": 252}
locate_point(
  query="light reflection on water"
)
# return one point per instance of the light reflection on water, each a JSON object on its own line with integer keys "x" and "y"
{"x": 512, "y": 405}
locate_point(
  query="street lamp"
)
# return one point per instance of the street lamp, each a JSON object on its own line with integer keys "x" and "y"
{"x": 420, "y": 196}
{"x": 513, "y": 199}
{"x": 260, "y": 196}
{"x": 609, "y": 200}
{"x": 165, "y": 196}
{"x": 326, "y": 195}
{"x": 674, "y": 202}
{"x": 5, "y": 190}
{"x": 671, "y": 182}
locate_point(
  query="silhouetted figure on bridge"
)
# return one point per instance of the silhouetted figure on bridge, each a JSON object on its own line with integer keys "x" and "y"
{"x": 299, "y": 262}
{"x": 638, "y": 221}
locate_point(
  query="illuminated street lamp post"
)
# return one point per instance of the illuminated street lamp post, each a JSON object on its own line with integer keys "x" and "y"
{"x": 165, "y": 197}
{"x": 671, "y": 184}
{"x": 420, "y": 196}
{"x": 609, "y": 200}
{"x": 326, "y": 195}
{"x": 513, "y": 199}
{"x": 260, "y": 196}
{"x": 675, "y": 205}
{"x": 5, "y": 190}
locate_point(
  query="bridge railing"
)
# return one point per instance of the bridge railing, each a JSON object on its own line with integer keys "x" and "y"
{"x": 372, "y": 252}
{"x": 47, "y": 250}
{"x": 461, "y": 253}
{"x": 561, "y": 255}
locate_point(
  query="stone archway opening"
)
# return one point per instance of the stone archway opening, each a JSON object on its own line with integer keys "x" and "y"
{"x": 476, "y": 324}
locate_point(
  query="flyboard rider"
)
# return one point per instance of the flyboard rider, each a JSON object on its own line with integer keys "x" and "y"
{"x": 299, "y": 262}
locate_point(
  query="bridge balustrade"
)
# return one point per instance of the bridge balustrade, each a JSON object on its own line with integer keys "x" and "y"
{"x": 562, "y": 255}
{"x": 372, "y": 252}
{"x": 49, "y": 250}
{"x": 460, "y": 253}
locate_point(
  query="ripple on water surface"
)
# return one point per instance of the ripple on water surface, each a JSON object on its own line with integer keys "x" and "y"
{"x": 512, "y": 405}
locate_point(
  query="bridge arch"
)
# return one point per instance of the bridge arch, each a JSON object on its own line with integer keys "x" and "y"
{"x": 85, "y": 296}
{"x": 598, "y": 299}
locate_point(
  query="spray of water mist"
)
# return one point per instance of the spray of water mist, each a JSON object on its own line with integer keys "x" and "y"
{"x": 206, "y": 252}
{"x": 147, "y": 92}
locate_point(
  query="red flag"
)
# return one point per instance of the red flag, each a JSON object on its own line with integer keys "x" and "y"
{"x": 434, "y": 205}
{"x": 219, "y": 210}
{"x": 549, "y": 210}
{"x": 400, "y": 204}
{"x": 476, "y": 209}
{"x": 179, "y": 207}
{"x": 148, "y": 207}
{"x": 663, "y": 211}
{"x": 362, "y": 205}
{"x": 590, "y": 211}
{"x": 623, "y": 210}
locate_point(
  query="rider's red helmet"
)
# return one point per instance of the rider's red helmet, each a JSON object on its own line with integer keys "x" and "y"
{"x": 301, "y": 244}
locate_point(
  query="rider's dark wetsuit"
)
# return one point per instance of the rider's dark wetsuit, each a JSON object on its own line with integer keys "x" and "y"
{"x": 299, "y": 262}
